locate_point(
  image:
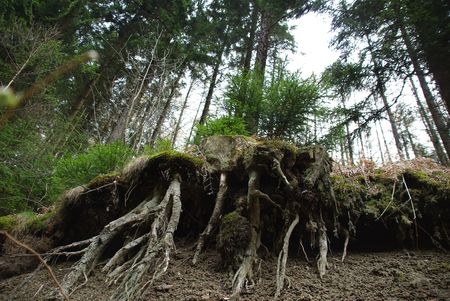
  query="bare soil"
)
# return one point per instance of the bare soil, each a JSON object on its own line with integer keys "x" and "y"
{"x": 399, "y": 275}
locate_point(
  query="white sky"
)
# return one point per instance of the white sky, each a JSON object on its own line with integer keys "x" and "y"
{"x": 312, "y": 35}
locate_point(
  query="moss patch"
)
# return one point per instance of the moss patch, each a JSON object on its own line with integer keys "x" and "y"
{"x": 8, "y": 222}
{"x": 175, "y": 159}
{"x": 26, "y": 222}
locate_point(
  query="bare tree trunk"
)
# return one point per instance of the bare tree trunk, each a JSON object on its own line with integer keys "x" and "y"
{"x": 348, "y": 137}
{"x": 382, "y": 92}
{"x": 212, "y": 86}
{"x": 405, "y": 145}
{"x": 262, "y": 48}
{"x": 118, "y": 133}
{"x": 251, "y": 39}
{"x": 193, "y": 125}
{"x": 165, "y": 110}
{"x": 385, "y": 144}
{"x": 431, "y": 102}
{"x": 379, "y": 145}
{"x": 183, "y": 107}
{"x": 429, "y": 127}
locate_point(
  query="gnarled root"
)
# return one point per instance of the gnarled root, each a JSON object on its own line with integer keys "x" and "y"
{"x": 244, "y": 274}
{"x": 214, "y": 219}
{"x": 282, "y": 258}
{"x": 151, "y": 251}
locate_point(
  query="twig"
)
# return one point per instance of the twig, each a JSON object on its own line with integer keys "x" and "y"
{"x": 392, "y": 198}
{"x": 414, "y": 212}
{"x": 40, "y": 259}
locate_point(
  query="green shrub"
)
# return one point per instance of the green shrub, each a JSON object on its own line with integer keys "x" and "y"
{"x": 222, "y": 126}
{"x": 161, "y": 145}
{"x": 79, "y": 169}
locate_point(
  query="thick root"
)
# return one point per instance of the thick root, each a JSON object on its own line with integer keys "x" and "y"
{"x": 323, "y": 250}
{"x": 159, "y": 247}
{"x": 214, "y": 219}
{"x": 98, "y": 244}
{"x": 282, "y": 258}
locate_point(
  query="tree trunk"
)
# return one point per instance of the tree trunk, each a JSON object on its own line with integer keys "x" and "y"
{"x": 385, "y": 144}
{"x": 382, "y": 92}
{"x": 118, "y": 133}
{"x": 379, "y": 145}
{"x": 262, "y": 48}
{"x": 250, "y": 40}
{"x": 165, "y": 110}
{"x": 431, "y": 102}
{"x": 348, "y": 137}
{"x": 183, "y": 107}
{"x": 212, "y": 86}
{"x": 429, "y": 127}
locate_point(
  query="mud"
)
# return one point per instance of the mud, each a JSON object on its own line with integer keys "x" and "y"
{"x": 399, "y": 275}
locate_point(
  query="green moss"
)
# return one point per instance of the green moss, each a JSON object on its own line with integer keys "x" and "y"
{"x": 280, "y": 145}
{"x": 8, "y": 222}
{"x": 177, "y": 158}
{"x": 27, "y": 221}
{"x": 103, "y": 179}
{"x": 37, "y": 222}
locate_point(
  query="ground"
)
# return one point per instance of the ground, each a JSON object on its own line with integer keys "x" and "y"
{"x": 395, "y": 275}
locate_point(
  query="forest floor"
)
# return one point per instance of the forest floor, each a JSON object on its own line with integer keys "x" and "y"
{"x": 395, "y": 275}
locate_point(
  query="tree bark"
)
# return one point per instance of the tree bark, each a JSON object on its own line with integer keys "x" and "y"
{"x": 262, "y": 48}
{"x": 118, "y": 133}
{"x": 250, "y": 40}
{"x": 348, "y": 137}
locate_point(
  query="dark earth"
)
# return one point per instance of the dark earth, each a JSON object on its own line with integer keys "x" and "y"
{"x": 394, "y": 275}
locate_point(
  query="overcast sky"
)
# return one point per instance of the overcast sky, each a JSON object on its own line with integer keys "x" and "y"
{"x": 312, "y": 35}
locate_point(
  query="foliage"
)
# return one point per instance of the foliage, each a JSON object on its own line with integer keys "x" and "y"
{"x": 161, "y": 145}
{"x": 288, "y": 106}
{"x": 243, "y": 97}
{"x": 78, "y": 169}
{"x": 222, "y": 126}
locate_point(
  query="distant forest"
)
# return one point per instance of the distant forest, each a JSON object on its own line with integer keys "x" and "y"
{"x": 86, "y": 85}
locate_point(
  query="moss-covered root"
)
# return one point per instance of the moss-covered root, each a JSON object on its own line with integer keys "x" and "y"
{"x": 214, "y": 219}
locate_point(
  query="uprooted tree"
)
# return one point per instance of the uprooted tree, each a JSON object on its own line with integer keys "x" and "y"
{"x": 251, "y": 197}
{"x": 265, "y": 188}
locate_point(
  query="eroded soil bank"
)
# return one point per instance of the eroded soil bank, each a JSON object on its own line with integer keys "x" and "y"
{"x": 399, "y": 275}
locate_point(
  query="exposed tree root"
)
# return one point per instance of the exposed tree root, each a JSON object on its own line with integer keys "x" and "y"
{"x": 214, "y": 219}
{"x": 128, "y": 265}
{"x": 323, "y": 250}
{"x": 282, "y": 258}
{"x": 244, "y": 274}
{"x": 347, "y": 237}
{"x": 140, "y": 242}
